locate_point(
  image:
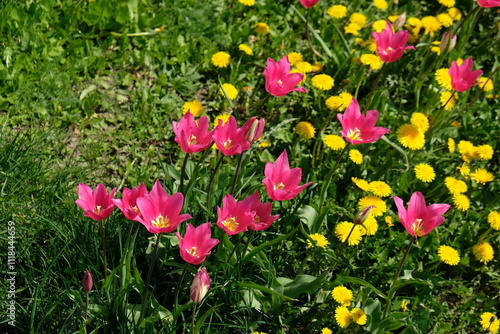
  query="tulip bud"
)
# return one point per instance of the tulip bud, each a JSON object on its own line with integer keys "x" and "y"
{"x": 87, "y": 282}
{"x": 200, "y": 286}
{"x": 447, "y": 42}
{"x": 255, "y": 129}
{"x": 400, "y": 21}
{"x": 363, "y": 214}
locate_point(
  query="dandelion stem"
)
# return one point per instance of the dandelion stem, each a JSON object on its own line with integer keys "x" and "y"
{"x": 439, "y": 114}
{"x": 178, "y": 288}
{"x": 369, "y": 98}
{"x": 183, "y": 172}
{"x": 103, "y": 242}
{"x": 148, "y": 278}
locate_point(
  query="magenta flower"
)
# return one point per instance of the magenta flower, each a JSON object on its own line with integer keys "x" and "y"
{"x": 279, "y": 80}
{"x": 282, "y": 183}
{"x": 390, "y": 45}
{"x": 230, "y": 139}
{"x": 358, "y": 128}
{"x": 234, "y": 217}
{"x": 488, "y": 3}
{"x": 96, "y": 204}
{"x": 253, "y": 129}
{"x": 196, "y": 244}
{"x": 128, "y": 204}
{"x": 463, "y": 77}
{"x": 419, "y": 220}
{"x": 160, "y": 212}
{"x": 87, "y": 282}
{"x": 192, "y": 136}
{"x": 200, "y": 285}
{"x": 262, "y": 213}
{"x": 308, "y": 3}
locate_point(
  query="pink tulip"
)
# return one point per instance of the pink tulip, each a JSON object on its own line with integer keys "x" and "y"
{"x": 390, "y": 45}
{"x": 200, "y": 285}
{"x": 358, "y": 128}
{"x": 308, "y": 3}
{"x": 230, "y": 139}
{"x": 282, "y": 183}
{"x": 279, "y": 80}
{"x": 196, "y": 244}
{"x": 96, "y": 204}
{"x": 262, "y": 218}
{"x": 128, "y": 204}
{"x": 160, "y": 212}
{"x": 192, "y": 136}
{"x": 488, "y": 3}
{"x": 253, "y": 129}
{"x": 87, "y": 282}
{"x": 234, "y": 217}
{"x": 419, "y": 220}
{"x": 463, "y": 77}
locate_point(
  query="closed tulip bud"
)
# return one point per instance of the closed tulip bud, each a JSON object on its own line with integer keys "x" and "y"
{"x": 448, "y": 42}
{"x": 400, "y": 21}
{"x": 254, "y": 128}
{"x": 200, "y": 286}
{"x": 363, "y": 214}
{"x": 87, "y": 282}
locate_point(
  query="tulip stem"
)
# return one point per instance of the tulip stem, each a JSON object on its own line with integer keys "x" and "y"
{"x": 183, "y": 172}
{"x": 328, "y": 180}
{"x": 237, "y": 173}
{"x": 341, "y": 247}
{"x": 86, "y": 306}
{"x": 193, "y": 317}
{"x": 178, "y": 288}
{"x": 148, "y": 278}
{"x": 396, "y": 276}
{"x": 103, "y": 242}
{"x": 369, "y": 98}
{"x": 439, "y": 114}
{"x": 210, "y": 185}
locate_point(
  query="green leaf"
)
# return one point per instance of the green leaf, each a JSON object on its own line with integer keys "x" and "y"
{"x": 302, "y": 283}
{"x": 202, "y": 319}
{"x": 348, "y": 279}
{"x": 401, "y": 283}
{"x": 308, "y": 215}
{"x": 262, "y": 288}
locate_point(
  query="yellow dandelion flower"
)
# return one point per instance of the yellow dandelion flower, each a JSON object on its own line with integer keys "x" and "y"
{"x": 443, "y": 78}
{"x": 448, "y": 255}
{"x": 223, "y": 117}
{"x": 303, "y": 67}
{"x": 451, "y": 145}
{"x": 393, "y": 18}
{"x": 379, "y": 205}
{"x": 370, "y": 225}
{"x": 261, "y": 28}
{"x": 371, "y": 60}
{"x": 247, "y": 2}
{"x": 221, "y": 59}
{"x": 358, "y": 18}
{"x": 483, "y": 252}
{"x": 490, "y": 322}
{"x": 346, "y": 98}
{"x": 295, "y": 58}
{"x": 229, "y": 90}
{"x": 484, "y": 152}
{"x": 343, "y": 229}
{"x": 404, "y": 305}
{"x": 334, "y": 102}
{"x": 334, "y": 142}
{"x": 415, "y": 24}
{"x": 265, "y": 143}
{"x": 319, "y": 239}
{"x": 378, "y": 26}
{"x": 361, "y": 184}
{"x": 322, "y": 81}
{"x": 464, "y": 171}
{"x": 448, "y": 99}
{"x": 389, "y": 221}
{"x": 494, "y": 220}
{"x": 461, "y": 202}
{"x": 358, "y": 316}
{"x": 411, "y": 137}
{"x": 455, "y": 186}
{"x": 437, "y": 48}
{"x": 431, "y": 24}
{"x": 194, "y": 107}
{"x": 456, "y": 124}
{"x": 246, "y": 49}
{"x": 305, "y": 130}
{"x": 465, "y": 147}
{"x": 352, "y": 28}
{"x": 342, "y": 295}
{"x": 337, "y": 11}
{"x": 486, "y": 84}
{"x": 342, "y": 316}
{"x": 445, "y": 19}
{"x": 371, "y": 44}
{"x": 326, "y": 330}
{"x": 424, "y": 172}
{"x": 420, "y": 120}
{"x": 447, "y": 3}
{"x": 482, "y": 176}
{"x": 380, "y": 188}
{"x": 455, "y": 14}
{"x": 317, "y": 67}
{"x": 356, "y": 156}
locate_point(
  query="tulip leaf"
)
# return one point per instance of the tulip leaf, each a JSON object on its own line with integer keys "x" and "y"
{"x": 349, "y": 279}
{"x": 401, "y": 283}
{"x": 308, "y": 215}
{"x": 262, "y": 288}
{"x": 202, "y": 319}
{"x": 301, "y": 283}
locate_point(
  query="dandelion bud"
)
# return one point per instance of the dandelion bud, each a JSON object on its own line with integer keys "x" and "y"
{"x": 87, "y": 282}
{"x": 400, "y": 21}
{"x": 447, "y": 42}
{"x": 363, "y": 214}
{"x": 254, "y": 128}
{"x": 200, "y": 286}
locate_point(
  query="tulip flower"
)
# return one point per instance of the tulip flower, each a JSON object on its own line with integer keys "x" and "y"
{"x": 282, "y": 183}
{"x": 308, "y": 3}
{"x": 488, "y": 3}
{"x": 253, "y": 129}
{"x": 234, "y": 217}
{"x": 128, "y": 204}
{"x": 196, "y": 244}
{"x": 200, "y": 285}
{"x": 160, "y": 212}
{"x": 262, "y": 213}
{"x": 230, "y": 139}
{"x": 87, "y": 282}
{"x": 192, "y": 135}
{"x": 279, "y": 80}
{"x": 390, "y": 45}
{"x": 419, "y": 220}
{"x": 358, "y": 128}
{"x": 96, "y": 204}
{"x": 463, "y": 77}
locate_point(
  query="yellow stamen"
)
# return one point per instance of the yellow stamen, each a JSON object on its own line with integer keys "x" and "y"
{"x": 227, "y": 144}
{"x": 231, "y": 224}
{"x": 279, "y": 186}
{"x": 280, "y": 83}
{"x": 354, "y": 134}
{"x": 160, "y": 221}
{"x": 98, "y": 210}
{"x": 418, "y": 227}
{"x": 193, "y": 251}
{"x": 192, "y": 140}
